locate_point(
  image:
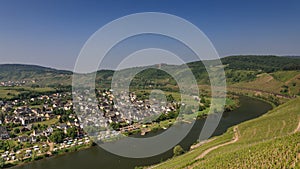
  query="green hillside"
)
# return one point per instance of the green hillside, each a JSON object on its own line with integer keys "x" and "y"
{"x": 280, "y": 82}
{"x": 33, "y": 74}
{"x": 268, "y": 73}
{"x": 249, "y": 65}
{"x": 270, "y": 141}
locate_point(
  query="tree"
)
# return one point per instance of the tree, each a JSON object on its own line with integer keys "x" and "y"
{"x": 115, "y": 125}
{"x": 4, "y": 145}
{"x": 178, "y": 150}
{"x": 57, "y": 137}
{"x": 16, "y": 130}
{"x": 170, "y": 98}
{"x": 172, "y": 114}
{"x": 34, "y": 127}
{"x": 72, "y": 132}
{"x": 63, "y": 118}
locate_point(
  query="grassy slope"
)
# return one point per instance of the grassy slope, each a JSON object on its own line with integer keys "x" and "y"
{"x": 262, "y": 142}
{"x": 264, "y": 82}
{"x": 273, "y": 83}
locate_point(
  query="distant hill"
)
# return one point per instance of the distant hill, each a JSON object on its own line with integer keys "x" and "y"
{"x": 238, "y": 68}
{"x": 31, "y": 68}
{"x": 34, "y": 74}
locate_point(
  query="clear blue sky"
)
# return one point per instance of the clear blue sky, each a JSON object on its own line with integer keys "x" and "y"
{"x": 51, "y": 33}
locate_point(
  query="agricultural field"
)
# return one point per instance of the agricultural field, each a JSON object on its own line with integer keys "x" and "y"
{"x": 278, "y": 153}
{"x": 12, "y": 92}
{"x": 271, "y": 141}
{"x": 8, "y": 93}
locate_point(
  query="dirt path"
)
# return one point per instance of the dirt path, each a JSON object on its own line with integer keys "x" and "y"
{"x": 201, "y": 143}
{"x": 51, "y": 145}
{"x": 192, "y": 148}
{"x": 235, "y": 139}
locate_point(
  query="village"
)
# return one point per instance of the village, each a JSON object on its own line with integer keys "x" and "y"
{"x": 42, "y": 126}
{"x": 39, "y": 126}
{"x": 116, "y": 116}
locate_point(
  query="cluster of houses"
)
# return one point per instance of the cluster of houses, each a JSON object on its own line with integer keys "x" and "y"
{"x": 12, "y": 156}
{"x": 32, "y": 138}
{"x": 26, "y": 115}
{"x": 22, "y": 113}
{"x": 40, "y": 149}
{"x": 19, "y": 112}
{"x": 13, "y": 83}
{"x": 8, "y": 156}
{"x": 72, "y": 142}
{"x": 125, "y": 108}
{"x": 3, "y": 133}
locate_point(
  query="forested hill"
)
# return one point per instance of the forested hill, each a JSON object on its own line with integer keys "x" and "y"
{"x": 264, "y": 63}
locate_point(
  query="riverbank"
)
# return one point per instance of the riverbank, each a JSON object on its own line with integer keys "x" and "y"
{"x": 232, "y": 103}
{"x": 47, "y": 155}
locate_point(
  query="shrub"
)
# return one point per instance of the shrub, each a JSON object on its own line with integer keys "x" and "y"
{"x": 178, "y": 150}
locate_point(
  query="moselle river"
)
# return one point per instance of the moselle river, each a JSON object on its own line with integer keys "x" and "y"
{"x": 97, "y": 158}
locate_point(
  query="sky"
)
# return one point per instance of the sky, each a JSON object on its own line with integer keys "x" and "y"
{"x": 51, "y": 33}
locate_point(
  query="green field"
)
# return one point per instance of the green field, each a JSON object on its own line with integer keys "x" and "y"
{"x": 47, "y": 122}
{"x": 11, "y": 92}
{"x": 8, "y": 93}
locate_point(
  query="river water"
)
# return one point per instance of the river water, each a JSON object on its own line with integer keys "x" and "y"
{"x": 97, "y": 158}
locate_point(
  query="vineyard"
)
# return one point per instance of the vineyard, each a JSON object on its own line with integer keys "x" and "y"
{"x": 269, "y": 141}
{"x": 279, "y": 153}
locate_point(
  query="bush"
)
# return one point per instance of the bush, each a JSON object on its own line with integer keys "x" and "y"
{"x": 16, "y": 130}
{"x": 178, "y": 150}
